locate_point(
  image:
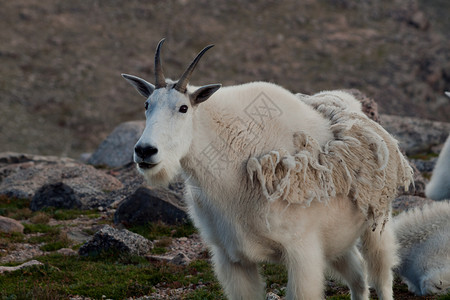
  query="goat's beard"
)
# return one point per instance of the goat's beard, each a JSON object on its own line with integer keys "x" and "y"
{"x": 161, "y": 176}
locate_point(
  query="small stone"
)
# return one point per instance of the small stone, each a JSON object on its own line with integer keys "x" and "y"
{"x": 272, "y": 296}
{"x": 9, "y": 225}
{"x": 67, "y": 252}
{"x": 24, "y": 265}
{"x": 180, "y": 260}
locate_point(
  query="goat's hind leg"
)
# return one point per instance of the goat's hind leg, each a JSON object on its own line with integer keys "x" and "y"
{"x": 351, "y": 268}
{"x": 240, "y": 280}
{"x": 379, "y": 248}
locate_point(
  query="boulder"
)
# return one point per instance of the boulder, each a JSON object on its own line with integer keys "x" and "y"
{"x": 118, "y": 148}
{"x": 49, "y": 181}
{"x": 9, "y": 225}
{"x": 151, "y": 205}
{"x": 111, "y": 239}
{"x": 55, "y": 195}
{"x": 415, "y": 135}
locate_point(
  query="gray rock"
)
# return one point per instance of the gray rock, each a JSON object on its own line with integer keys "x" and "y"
{"x": 66, "y": 252}
{"x": 57, "y": 195}
{"x": 23, "y": 175}
{"x": 78, "y": 236}
{"x": 415, "y": 135}
{"x": 180, "y": 259}
{"x": 9, "y": 225}
{"x": 111, "y": 239}
{"x": 425, "y": 165}
{"x": 117, "y": 149}
{"x": 150, "y": 205}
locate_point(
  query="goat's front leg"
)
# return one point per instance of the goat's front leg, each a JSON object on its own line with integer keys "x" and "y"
{"x": 240, "y": 280}
{"x": 305, "y": 263}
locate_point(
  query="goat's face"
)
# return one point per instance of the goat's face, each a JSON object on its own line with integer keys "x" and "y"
{"x": 169, "y": 113}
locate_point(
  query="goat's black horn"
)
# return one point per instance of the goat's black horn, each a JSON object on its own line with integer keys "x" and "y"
{"x": 184, "y": 80}
{"x": 160, "y": 80}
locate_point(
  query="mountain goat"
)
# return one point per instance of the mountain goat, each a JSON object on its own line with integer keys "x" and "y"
{"x": 271, "y": 178}
{"x": 424, "y": 252}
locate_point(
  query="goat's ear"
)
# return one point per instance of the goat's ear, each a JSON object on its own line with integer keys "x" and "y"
{"x": 143, "y": 87}
{"x": 203, "y": 93}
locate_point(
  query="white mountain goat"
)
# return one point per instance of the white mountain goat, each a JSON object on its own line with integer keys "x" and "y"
{"x": 424, "y": 252}
{"x": 270, "y": 178}
{"x": 439, "y": 186}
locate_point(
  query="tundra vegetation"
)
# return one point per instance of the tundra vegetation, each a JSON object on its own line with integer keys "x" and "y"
{"x": 117, "y": 277}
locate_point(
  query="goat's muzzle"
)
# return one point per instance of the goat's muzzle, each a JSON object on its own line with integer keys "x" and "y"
{"x": 145, "y": 156}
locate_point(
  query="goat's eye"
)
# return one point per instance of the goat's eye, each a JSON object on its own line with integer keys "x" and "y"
{"x": 146, "y": 105}
{"x": 183, "y": 109}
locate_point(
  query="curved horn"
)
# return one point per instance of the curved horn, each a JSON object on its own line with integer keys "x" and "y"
{"x": 184, "y": 80}
{"x": 160, "y": 80}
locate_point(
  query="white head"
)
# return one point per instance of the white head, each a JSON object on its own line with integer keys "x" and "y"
{"x": 170, "y": 111}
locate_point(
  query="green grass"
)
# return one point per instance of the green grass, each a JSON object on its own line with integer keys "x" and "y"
{"x": 14, "y": 208}
{"x": 114, "y": 276}
{"x": 155, "y": 231}
{"x": 19, "y": 209}
{"x": 70, "y": 214}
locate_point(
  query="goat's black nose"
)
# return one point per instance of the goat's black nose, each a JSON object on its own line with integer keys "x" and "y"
{"x": 145, "y": 151}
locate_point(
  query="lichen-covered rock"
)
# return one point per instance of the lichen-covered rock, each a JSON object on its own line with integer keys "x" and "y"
{"x": 111, "y": 239}
{"x": 55, "y": 180}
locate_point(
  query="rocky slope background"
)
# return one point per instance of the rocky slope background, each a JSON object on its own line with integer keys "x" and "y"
{"x": 60, "y": 87}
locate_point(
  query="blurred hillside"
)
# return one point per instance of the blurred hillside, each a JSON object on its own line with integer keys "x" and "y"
{"x": 60, "y": 61}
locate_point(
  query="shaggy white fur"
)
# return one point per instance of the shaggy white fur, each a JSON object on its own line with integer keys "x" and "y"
{"x": 424, "y": 238}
